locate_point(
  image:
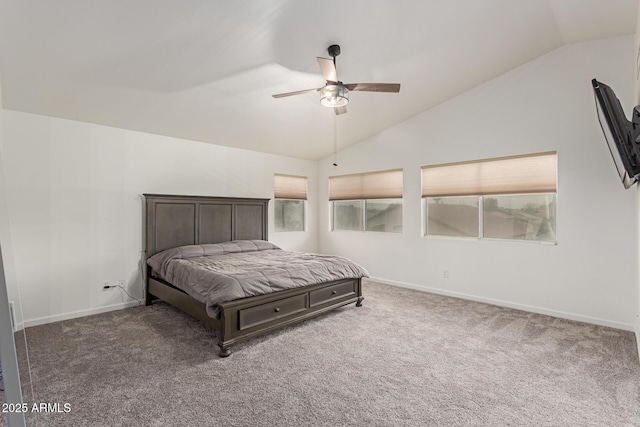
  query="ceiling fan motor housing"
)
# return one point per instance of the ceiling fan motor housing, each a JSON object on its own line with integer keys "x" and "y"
{"x": 334, "y": 95}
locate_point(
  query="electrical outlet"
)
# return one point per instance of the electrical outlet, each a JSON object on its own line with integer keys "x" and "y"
{"x": 121, "y": 283}
{"x": 106, "y": 286}
{"x": 445, "y": 274}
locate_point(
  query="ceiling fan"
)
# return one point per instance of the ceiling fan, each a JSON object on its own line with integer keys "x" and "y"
{"x": 334, "y": 93}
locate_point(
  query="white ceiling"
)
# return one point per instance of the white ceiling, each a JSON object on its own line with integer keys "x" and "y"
{"x": 206, "y": 69}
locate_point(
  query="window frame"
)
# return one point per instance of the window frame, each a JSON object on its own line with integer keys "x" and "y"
{"x": 332, "y": 207}
{"x": 425, "y": 219}
{"x": 363, "y": 216}
{"x": 366, "y": 187}
{"x": 442, "y": 185}
{"x": 481, "y": 236}
{"x": 294, "y": 191}
{"x": 304, "y": 216}
{"x": 526, "y": 241}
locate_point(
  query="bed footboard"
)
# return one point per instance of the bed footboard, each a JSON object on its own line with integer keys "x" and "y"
{"x": 248, "y": 317}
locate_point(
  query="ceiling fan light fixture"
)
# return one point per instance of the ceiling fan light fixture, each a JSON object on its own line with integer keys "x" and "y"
{"x": 334, "y": 95}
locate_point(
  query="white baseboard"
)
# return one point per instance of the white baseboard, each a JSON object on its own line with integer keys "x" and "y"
{"x": 523, "y": 307}
{"x": 74, "y": 314}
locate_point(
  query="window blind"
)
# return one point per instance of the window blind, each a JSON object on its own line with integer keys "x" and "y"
{"x": 533, "y": 173}
{"x": 290, "y": 187}
{"x": 371, "y": 185}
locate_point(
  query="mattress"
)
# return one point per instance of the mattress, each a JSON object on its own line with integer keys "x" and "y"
{"x": 217, "y": 273}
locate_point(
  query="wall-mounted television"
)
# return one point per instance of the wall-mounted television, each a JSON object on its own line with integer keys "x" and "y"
{"x": 622, "y": 136}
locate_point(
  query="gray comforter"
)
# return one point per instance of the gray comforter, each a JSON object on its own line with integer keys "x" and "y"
{"x": 222, "y": 272}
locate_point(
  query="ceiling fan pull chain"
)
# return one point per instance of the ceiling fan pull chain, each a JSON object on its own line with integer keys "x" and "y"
{"x": 335, "y": 140}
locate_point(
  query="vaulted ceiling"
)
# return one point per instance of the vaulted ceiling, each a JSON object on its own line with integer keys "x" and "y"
{"x": 205, "y": 70}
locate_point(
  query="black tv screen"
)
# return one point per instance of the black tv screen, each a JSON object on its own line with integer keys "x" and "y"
{"x": 620, "y": 134}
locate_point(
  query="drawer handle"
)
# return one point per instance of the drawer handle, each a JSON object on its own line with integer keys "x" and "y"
{"x": 277, "y": 310}
{"x": 334, "y": 292}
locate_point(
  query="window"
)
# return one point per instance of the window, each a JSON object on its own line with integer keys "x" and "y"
{"x": 383, "y": 215}
{"x": 348, "y": 215}
{"x": 452, "y": 216}
{"x": 526, "y": 217}
{"x": 290, "y": 194}
{"x": 506, "y": 198}
{"x": 367, "y": 201}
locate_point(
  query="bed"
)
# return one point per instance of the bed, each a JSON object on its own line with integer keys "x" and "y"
{"x": 179, "y": 225}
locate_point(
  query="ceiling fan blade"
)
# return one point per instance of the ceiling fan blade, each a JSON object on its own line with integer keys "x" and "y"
{"x": 374, "y": 87}
{"x": 328, "y": 69}
{"x": 340, "y": 110}
{"x": 300, "y": 92}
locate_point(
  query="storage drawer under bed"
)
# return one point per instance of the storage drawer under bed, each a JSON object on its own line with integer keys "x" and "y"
{"x": 253, "y": 316}
{"x": 333, "y": 292}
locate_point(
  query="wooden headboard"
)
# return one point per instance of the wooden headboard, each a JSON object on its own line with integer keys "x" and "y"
{"x": 194, "y": 220}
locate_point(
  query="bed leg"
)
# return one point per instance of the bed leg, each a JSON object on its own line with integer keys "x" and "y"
{"x": 224, "y": 350}
{"x": 359, "y": 303}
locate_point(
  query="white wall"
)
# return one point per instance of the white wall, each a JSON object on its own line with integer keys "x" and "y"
{"x": 545, "y": 105}
{"x": 8, "y": 292}
{"x": 74, "y": 197}
{"x": 5, "y": 233}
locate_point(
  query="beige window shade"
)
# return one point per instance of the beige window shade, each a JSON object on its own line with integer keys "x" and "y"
{"x": 290, "y": 187}
{"x": 534, "y": 173}
{"x": 371, "y": 185}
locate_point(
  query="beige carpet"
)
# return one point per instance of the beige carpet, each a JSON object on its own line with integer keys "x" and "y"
{"x": 405, "y": 358}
